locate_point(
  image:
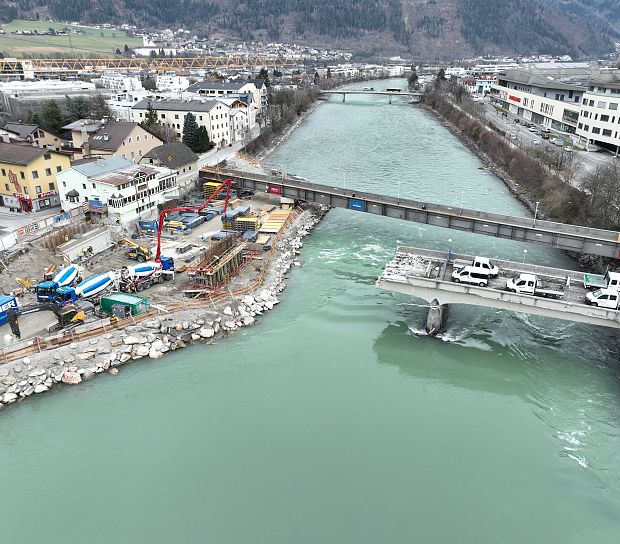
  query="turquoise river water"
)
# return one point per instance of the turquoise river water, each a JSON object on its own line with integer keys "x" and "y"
{"x": 332, "y": 421}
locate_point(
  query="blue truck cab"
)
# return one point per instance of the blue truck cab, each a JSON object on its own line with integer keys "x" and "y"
{"x": 46, "y": 291}
{"x": 65, "y": 295}
{"x": 167, "y": 263}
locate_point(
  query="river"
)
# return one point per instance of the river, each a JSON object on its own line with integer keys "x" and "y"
{"x": 333, "y": 421}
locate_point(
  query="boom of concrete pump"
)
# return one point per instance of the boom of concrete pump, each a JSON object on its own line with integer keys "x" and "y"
{"x": 227, "y": 183}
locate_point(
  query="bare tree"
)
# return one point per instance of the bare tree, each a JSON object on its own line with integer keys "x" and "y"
{"x": 603, "y": 187}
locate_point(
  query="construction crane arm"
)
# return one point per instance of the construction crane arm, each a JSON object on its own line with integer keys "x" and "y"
{"x": 162, "y": 216}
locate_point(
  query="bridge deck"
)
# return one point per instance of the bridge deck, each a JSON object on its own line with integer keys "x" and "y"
{"x": 558, "y": 235}
{"x": 427, "y": 274}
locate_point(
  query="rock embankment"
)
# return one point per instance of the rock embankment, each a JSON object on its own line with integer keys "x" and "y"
{"x": 152, "y": 338}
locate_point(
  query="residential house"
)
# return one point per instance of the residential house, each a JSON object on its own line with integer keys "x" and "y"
{"x": 33, "y": 134}
{"x": 111, "y": 138}
{"x": 211, "y": 114}
{"x": 176, "y": 156}
{"x": 599, "y": 118}
{"x": 116, "y": 187}
{"x": 28, "y": 176}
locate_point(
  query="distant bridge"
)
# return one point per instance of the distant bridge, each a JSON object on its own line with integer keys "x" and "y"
{"x": 122, "y": 64}
{"x": 558, "y": 235}
{"x": 414, "y": 97}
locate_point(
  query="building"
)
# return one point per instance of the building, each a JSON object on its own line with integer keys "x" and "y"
{"x": 223, "y": 89}
{"x": 211, "y": 114}
{"x": 32, "y": 134}
{"x": 176, "y": 156}
{"x": 17, "y": 97}
{"x": 111, "y": 138}
{"x": 120, "y": 82}
{"x": 171, "y": 83}
{"x": 116, "y": 187}
{"x": 28, "y": 176}
{"x": 599, "y": 117}
{"x": 548, "y": 94}
{"x": 120, "y": 104}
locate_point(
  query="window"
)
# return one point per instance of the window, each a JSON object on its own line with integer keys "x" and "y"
{"x": 604, "y": 118}
{"x": 83, "y": 185}
{"x": 586, "y": 127}
{"x": 146, "y": 136}
{"x": 47, "y": 156}
{"x": 48, "y": 171}
{"x": 64, "y": 183}
{"x": 52, "y": 186}
{"x": 601, "y": 105}
{"x": 580, "y": 126}
{"x": 3, "y": 172}
{"x": 37, "y": 189}
{"x": 596, "y": 130}
{"x": 606, "y": 132}
{"x": 6, "y": 186}
{"x": 130, "y": 139}
{"x": 176, "y": 116}
{"x": 591, "y": 104}
{"x": 25, "y": 190}
{"x": 94, "y": 186}
{"x": 137, "y": 138}
{"x": 584, "y": 101}
{"x": 59, "y": 169}
{"x": 35, "y": 174}
{"x": 613, "y": 105}
{"x": 21, "y": 175}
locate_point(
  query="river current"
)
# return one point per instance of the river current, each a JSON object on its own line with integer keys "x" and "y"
{"x": 334, "y": 420}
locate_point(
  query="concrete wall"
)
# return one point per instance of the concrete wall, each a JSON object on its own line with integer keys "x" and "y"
{"x": 98, "y": 239}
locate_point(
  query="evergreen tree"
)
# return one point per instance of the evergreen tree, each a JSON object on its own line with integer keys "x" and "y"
{"x": 440, "y": 79}
{"x": 150, "y": 119}
{"x": 50, "y": 117}
{"x": 413, "y": 78}
{"x": 76, "y": 108}
{"x": 149, "y": 83}
{"x": 190, "y": 132}
{"x": 329, "y": 73}
{"x": 204, "y": 143}
{"x": 99, "y": 107}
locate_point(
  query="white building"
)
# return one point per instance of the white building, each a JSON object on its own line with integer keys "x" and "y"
{"x": 223, "y": 89}
{"x": 121, "y": 103}
{"x": 116, "y": 187}
{"x": 548, "y": 94}
{"x": 120, "y": 82}
{"x": 176, "y": 156}
{"x": 211, "y": 114}
{"x": 171, "y": 83}
{"x": 599, "y": 118}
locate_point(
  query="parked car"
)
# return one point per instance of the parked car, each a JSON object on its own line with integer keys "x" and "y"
{"x": 468, "y": 274}
{"x": 532, "y": 128}
{"x": 535, "y": 142}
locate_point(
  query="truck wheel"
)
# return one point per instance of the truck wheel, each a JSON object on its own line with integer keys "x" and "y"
{"x": 456, "y": 280}
{"x": 139, "y": 287}
{"x": 482, "y": 284}
{"x": 141, "y": 258}
{"x": 167, "y": 277}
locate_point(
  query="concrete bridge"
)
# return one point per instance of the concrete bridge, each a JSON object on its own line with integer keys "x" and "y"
{"x": 548, "y": 233}
{"x": 413, "y": 97}
{"x": 426, "y": 274}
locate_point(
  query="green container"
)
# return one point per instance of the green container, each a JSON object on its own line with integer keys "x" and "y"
{"x": 123, "y": 305}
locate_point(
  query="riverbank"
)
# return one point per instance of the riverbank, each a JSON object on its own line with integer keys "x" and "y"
{"x": 169, "y": 331}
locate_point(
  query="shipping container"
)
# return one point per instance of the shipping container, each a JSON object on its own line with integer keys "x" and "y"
{"x": 123, "y": 305}
{"x": 357, "y": 204}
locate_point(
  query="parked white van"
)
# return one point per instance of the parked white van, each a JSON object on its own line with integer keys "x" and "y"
{"x": 468, "y": 274}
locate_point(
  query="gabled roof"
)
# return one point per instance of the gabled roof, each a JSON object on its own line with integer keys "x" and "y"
{"x": 98, "y": 167}
{"x": 21, "y": 129}
{"x": 87, "y": 125}
{"x": 172, "y": 155}
{"x": 111, "y": 135}
{"x": 218, "y": 85}
{"x": 175, "y": 104}
{"x": 20, "y": 154}
{"x": 259, "y": 83}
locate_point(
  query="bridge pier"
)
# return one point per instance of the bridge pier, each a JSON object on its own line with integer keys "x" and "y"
{"x": 344, "y": 95}
{"x": 390, "y": 98}
{"x": 437, "y": 315}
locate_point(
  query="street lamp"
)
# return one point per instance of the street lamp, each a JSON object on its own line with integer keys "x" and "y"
{"x": 398, "y": 191}
{"x": 536, "y": 212}
{"x": 462, "y": 197}
{"x": 344, "y": 179}
{"x": 524, "y": 254}
{"x": 449, "y": 248}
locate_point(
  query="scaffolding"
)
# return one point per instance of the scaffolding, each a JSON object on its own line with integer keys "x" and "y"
{"x": 217, "y": 264}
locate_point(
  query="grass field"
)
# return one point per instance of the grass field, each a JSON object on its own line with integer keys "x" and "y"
{"x": 88, "y": 42}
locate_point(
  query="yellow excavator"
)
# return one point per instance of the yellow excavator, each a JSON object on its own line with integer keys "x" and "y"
{"x": 136, "y": 251}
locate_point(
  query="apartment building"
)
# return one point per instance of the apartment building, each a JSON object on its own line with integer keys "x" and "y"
{"x": 548, "y": 94}
{"x": 176, "y": 156}
{"x": 599, "y": 118}
{"x": 28, "y": 176}
{"x": 116, "y": 187}
{"x": 32, "y": 134}
{"x": 123, "y": 139}
{"x": 211, "y": 114}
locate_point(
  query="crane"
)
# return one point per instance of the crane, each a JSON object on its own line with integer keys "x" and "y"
{"x": 227, "y": 183}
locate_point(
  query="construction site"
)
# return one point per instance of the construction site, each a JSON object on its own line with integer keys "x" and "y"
{"x": 85, "y": 278}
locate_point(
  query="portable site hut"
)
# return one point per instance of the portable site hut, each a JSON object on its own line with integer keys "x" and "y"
{"x": 122, "y": 305}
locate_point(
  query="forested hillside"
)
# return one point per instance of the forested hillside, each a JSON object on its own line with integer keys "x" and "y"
{"x": 426, "y": 28}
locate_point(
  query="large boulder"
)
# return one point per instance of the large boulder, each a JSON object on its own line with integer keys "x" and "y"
{"x": 71, "y": 377}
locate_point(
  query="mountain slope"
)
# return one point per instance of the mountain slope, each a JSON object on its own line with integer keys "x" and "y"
{"x": 426, "y": 28}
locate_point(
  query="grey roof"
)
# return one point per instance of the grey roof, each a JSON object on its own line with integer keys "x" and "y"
{"x": 258, "y": 82}
{"x": 172, "y": 155}
{"x": 551, "y": 75}
{"x": 88, "y": 125}
{"x": 110, "y": 136}
{"x": 177, "y": 105}
{"x": 218, "y": 85}
{"x": 21, "y": 129}
{"x": 20, "y": 154}
{"x": 102, "y": 166}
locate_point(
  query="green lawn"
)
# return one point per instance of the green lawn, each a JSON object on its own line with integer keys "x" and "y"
{"x": 89, "y": 41}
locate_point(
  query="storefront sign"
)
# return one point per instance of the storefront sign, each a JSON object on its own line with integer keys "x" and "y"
{"x": 45, "y": 195}
{"x": 514, "y": 98}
